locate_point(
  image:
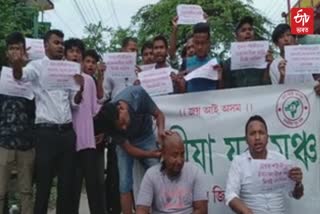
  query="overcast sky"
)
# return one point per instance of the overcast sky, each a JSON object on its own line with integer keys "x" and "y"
{"x": 72, "y": 15}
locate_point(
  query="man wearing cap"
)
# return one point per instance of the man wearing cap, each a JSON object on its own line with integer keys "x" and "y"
{"x": 128, "y": 120}
{"x": 244, "y": 32}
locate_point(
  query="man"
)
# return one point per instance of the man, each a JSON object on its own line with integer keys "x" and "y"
{"x": 87, "y": 156}
{"x": 244, "y": 32}
{"x": 173, "y": 186}
{"x": 128, "y": 120}
{"x": 55, "y": 143}
{"x": 201, "y": 42}
{"x": 147, "y": 53}
{"x": 16, "y": 135}
{"x": 91, "y": 67}
{"x": 111, "y": 87}
{"x": 240, "y": 182}
{"x": 282, "y": 37}
{"x": 160, "y": 53}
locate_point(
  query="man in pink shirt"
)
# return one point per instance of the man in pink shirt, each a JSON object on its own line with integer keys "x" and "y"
{"x": 87, "y": 164}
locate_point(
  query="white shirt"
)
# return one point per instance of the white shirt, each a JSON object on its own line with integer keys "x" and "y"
{"x": 289, "y": 78}
{"x": 112, "y": 87}
{"x": 240, "y": 183}
{"x": 52, "y": 106}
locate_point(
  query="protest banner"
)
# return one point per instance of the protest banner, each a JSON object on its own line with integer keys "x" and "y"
{"x": 35, "y": 48}
{"x": 212, "y": 125}
{"x": 121, "y": 65}
{"x": 190, "y": 14}
{"x": 206, "y": 71}
{"x": 302, "y": 59}
{"x": 11, "y": 87}
{"x": 156, "y": 81}
{"x": 271, "y": 176}
{"x": 249, "y": 55}
{"x": 59, "y": 75}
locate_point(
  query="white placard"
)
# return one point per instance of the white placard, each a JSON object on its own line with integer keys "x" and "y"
{"x": 11, "y": 87}
{"x": 271, "y": 176}
{"x": 156, "y": 81}
{"x": 302, "y": 59}
{"x": 190, "y": 14}
{"x": 206, "y": 71}
{"x": 59, "y": 74}
{"x": 35, "y": 48}
{"x": 249, "y": 54}
{"x": 121, "y": 65}
{"x": 147, "y": 67}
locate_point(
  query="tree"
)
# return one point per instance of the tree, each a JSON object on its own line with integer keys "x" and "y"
{"x": 14, "y": 16}
{"x": 223, "y": 15}
{"x": 95, "y": 38}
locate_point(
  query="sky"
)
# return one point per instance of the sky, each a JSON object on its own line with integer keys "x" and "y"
{"x": 71, "y": 16}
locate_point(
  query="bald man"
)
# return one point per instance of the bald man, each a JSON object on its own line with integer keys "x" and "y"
{"x": 173, "y": 186}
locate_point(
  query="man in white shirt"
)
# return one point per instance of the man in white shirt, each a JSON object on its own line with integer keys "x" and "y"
{"x": 239, "y": 196}
{"x": 282, "y": 37}
{"x": 55, "y": 143}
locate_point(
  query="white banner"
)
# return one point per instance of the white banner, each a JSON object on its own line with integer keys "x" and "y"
{"x": 11, "y": 87}
{"x": 35, "y": 48}
{"x": 121, "y": 65}
{"x": 212, "y": 125}
{"x": 271, "y": 176}
{"x": 60, "y": 74}
{"x": 302, "y": 59}
{"x": 249, "y": 54}
{"x": 156, "y": 81}
{"x": 189, "y": 14}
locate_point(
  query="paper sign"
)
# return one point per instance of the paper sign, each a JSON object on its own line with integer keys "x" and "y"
{"x": 60, "y": 75}
{"x": 11, "y": 87}
{"x": 206, "y": 71}
{"x": 271, "y": 176}
{"x": 302, "y": 59}
{"x": 121, "y": 65}
{"x": 156, "y": 81}
{"x": 249, "y": 55}
{"x": 147, "y": 67}
{"x": 189, "y": 14}
{"x": 35, "y": 48}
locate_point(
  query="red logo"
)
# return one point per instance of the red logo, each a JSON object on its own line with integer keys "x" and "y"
{"x": 302, "y": 21}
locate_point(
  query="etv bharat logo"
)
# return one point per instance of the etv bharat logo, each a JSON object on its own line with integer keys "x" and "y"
{"x": 293, "y": 108}
{"x": 302, "y": 21}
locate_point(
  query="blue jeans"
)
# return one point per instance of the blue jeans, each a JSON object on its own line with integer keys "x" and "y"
{"x": 125, "y": 162}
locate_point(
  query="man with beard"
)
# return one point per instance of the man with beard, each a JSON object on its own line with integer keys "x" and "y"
{"x": 173, "y": 186}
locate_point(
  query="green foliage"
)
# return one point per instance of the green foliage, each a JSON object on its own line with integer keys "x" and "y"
{"x": 223, "y": 15}
{"x": 95, "y": 38}
{"x": 97, "y": 34}
{"x": 14, "y": 16}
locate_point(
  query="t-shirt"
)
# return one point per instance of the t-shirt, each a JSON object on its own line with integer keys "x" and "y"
{"x": 290, "y": 79}
{"x": 82, "y": 117}
{"x": 242, "y": 78}
{"x": 199, "y": 84}
{"x": 165, "y": 195}
{"x": 141, "y": 108}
